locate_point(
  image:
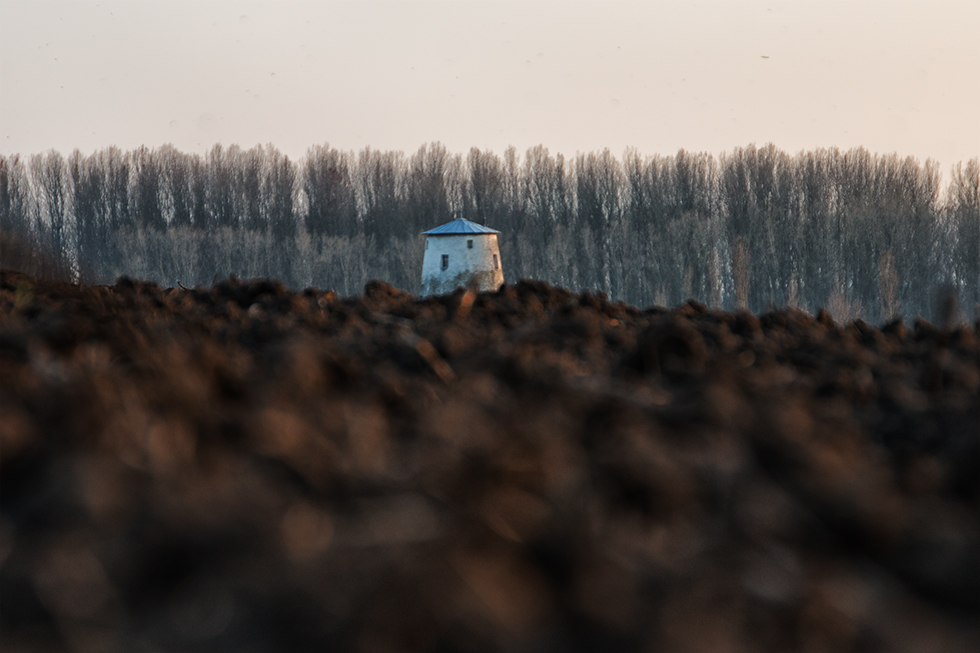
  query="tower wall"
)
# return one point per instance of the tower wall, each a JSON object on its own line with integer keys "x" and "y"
{"x": 466, "y": 265}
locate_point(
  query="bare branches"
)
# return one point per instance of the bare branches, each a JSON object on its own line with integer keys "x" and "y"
{"x": 753, "y": 228}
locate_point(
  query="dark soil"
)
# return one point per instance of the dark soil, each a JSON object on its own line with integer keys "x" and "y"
{"x": 243, "y": 468}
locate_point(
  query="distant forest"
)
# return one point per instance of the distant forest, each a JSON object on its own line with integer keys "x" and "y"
{"x": 865, "y": 235}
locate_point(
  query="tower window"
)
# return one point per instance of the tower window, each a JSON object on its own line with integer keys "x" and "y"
{"x": 469, "y": 244}
{"x": 495, "y": 264}
{"x": 427, "y": 244}
{"x": 445, "y": 261}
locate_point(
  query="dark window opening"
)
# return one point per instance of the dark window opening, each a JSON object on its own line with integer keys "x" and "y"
{"x": 427, "y": 244}
{"x": 469, "y": 244}
{"x": 495, "y": 265}
{"x": 445, "y": 261}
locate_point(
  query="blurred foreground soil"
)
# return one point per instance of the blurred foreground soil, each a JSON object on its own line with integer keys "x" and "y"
{"x": 243, "y": 468}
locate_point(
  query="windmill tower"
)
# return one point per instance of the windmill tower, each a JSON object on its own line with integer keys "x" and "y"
{"x": 460, "y": 253}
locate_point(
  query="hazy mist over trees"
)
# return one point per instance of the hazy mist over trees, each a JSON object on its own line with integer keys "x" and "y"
{"x": 863, "y": 234}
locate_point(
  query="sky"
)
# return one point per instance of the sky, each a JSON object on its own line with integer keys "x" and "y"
{"x": 887, "y": 75}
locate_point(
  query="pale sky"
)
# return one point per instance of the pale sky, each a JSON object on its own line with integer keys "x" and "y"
{"x": 888, "y": 75}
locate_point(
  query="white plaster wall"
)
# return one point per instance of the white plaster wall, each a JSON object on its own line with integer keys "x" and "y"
{"x": 465, "y": 265}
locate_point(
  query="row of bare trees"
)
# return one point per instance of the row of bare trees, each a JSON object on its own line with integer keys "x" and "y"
{"x": 870, "y": 235}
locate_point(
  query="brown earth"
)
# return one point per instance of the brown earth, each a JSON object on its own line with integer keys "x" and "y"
{"x": 243, "y": 468}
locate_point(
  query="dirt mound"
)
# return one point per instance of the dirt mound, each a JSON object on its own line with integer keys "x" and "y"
{"x": 241, "y": 467}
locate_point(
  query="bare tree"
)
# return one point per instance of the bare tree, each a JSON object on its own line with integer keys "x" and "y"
{"x": 888, "y": 285}
{"x": 741, "y": 264}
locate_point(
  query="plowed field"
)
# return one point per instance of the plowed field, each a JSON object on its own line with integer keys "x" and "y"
{"x": 244, "y": 468}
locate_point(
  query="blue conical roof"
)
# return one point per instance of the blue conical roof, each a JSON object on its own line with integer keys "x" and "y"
{"x": 459, "y": 226}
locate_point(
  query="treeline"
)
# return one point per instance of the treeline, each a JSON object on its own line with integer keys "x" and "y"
{"x": 863, "y": 234}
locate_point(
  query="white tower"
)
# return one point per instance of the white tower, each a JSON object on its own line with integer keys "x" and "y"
{"x": 459, "y": 253}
